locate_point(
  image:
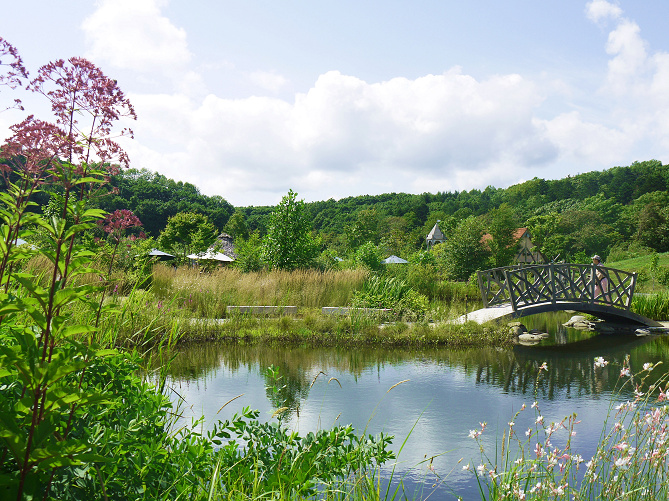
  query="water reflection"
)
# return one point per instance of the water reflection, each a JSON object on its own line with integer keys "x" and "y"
{"x": 448, "y": 393}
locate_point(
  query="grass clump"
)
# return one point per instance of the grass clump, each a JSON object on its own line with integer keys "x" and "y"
{"x": 654, "y": 306}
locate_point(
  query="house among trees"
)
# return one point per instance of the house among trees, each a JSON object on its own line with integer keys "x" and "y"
{"x": 524, "y": 253}
{"x": 525, "y": 245}
{"x": 436, "y": 236}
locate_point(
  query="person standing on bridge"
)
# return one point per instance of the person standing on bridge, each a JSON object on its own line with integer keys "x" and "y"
{"x": 601, "y": 280}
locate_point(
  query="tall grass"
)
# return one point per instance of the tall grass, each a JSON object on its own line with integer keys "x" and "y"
{"x": 655, "y": 306}
{"x": 208, "y": 294}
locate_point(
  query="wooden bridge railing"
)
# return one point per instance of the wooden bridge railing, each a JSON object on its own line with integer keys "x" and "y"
{"x": 526, "y": 285}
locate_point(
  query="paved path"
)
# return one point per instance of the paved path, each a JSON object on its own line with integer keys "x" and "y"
{"x": 485, "y": 314}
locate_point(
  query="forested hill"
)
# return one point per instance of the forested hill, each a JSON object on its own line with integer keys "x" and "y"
{"x": 592, "y": 211}
{"x": 618, "y": 185}
{"x": 154, "y": 198}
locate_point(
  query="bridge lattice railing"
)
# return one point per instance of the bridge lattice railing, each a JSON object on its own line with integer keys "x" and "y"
{"x": 527, "y": 285}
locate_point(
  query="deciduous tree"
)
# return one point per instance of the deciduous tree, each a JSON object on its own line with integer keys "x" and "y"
{"x": 288, "y": 244}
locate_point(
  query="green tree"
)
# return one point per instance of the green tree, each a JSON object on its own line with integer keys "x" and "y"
{"x": 288, "y": 244}
{"x": 368, "y": 256}
{"x": 249, "y": 254}
{"x": 463, "y": 252}
{"x": 653, "y": 227}
{"x": 187, "y": 233}
{"x": 236, "y": 226}
{"x": 502, "y": 228}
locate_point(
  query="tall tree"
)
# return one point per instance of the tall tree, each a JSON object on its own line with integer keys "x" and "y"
{"x": 186, "y": 233}
{"x": 502, "y": 228}
{"x": 464, "y": 252}
{"x": 288, "y": 244}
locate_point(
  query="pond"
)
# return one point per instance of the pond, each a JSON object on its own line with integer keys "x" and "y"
{"x": 442, "y": 394}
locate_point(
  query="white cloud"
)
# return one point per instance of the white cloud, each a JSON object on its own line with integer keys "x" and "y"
{"x": 601, "y": 10}
{"x": 133, "y": 34}
{"x": 345, "y": 133}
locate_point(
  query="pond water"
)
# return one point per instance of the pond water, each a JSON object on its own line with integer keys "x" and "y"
{"x": 442, "y": 396}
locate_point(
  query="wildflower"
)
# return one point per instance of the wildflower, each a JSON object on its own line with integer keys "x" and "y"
{"x": 625, "y": 406}
{"x": 621, "y": 446}
{"x": 481, "y": 468}
{"x": 648, "y": 366}
{"x": 474, "y": 434}
{"x": 523, "y": 407}
{"x": 467, "y": 467}
{"x": 534, "y": 404}
{"x": 544, "y": 367}
{"x": 538, "y": 450}
{"x": 618, "y": 426}
{"x": 540, "y": 419}
{"x": 518, "y": 461}
{"x": 528, "y": 432}
{"x": 600, "y": 362}
{"x": 511, "y": 424}
{"x": 622, "y": 462}
{"x": 625, "y": 371}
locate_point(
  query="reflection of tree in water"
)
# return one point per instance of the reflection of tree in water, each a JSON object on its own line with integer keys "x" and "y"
{"x": 285, "y": 387}
{"x": 571, "y": 371}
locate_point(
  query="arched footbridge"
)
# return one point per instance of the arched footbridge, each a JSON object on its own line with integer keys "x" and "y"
{"x": 518, "y": 291}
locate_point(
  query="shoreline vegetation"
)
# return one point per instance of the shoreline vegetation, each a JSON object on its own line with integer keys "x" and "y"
{"x": 186, "y": 305}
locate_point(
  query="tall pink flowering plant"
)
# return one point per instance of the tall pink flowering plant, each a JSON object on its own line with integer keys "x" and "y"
{"x": 41, "y": 359}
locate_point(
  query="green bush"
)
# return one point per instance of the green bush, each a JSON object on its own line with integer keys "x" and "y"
{"x": 392, "y": 293}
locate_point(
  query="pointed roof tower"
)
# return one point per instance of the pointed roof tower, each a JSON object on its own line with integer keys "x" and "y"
{"x": 436, "y": 236}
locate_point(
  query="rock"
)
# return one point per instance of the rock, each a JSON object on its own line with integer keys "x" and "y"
{"x": 531, "y": 338}
{"x": 516, "y": 329}
{"x": 574, "y": 320}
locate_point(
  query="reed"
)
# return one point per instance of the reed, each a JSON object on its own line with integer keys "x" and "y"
{"x": 212, "y": 292}
{"x": 655, "y": 306}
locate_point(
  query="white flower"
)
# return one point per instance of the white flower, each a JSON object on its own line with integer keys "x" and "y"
{"x": 481, "y": 468}
{"x": 600, "y": 362}
{"x": 622, "y": 462}
{"x": 540, "y": 419}
{"x": 648, "y": 366}
{"x": 511, "y": 424}
{"x": 467, "y": 467}
{"x": 625, "y": 371}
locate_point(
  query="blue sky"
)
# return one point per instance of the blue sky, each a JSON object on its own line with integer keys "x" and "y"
{"x": 340, "y": 98}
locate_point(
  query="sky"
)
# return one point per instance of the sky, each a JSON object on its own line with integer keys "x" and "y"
{"x": 248, "y": 99}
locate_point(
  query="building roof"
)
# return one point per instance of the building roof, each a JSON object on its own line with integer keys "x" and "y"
{"x": 211, "y": 255}
{"x": 226, "y": 245}
{"x": 436, "y": 233}
{"x": 394, "y": 260}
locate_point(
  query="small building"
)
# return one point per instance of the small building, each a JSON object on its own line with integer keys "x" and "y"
{"x": 436, "y": 236}
{"x": 525, "y": 245}
{"x": 524, "y": 253}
